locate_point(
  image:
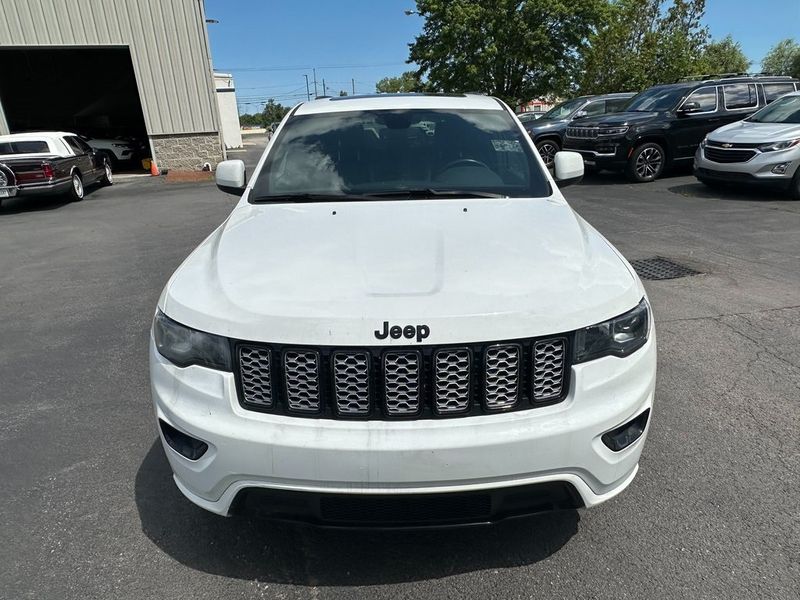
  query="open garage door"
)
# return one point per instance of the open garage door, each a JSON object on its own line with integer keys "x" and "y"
{"x": 89, "y": 91}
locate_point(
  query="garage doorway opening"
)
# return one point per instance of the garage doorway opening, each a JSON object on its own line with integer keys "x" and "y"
{"x": 88, "y": 91}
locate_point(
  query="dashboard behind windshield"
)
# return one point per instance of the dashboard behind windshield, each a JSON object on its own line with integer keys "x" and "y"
{"x": 782, "y": 110}
{"x": 378, "y": 152}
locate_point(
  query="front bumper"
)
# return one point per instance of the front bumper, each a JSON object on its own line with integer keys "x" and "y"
{"x": 757, "y": 170}
{"x": 553, "y": 444}
{"x": 602, "y": 153}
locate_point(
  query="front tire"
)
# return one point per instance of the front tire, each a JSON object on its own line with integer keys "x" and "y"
{"x": 547, "y": 150}
{"x": 76, "y": 191}
{"x": 107, "y": 178}
{"x": 646, "y": 163}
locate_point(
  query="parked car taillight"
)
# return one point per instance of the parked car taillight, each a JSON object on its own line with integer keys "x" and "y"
{"x": 48, "y": 171}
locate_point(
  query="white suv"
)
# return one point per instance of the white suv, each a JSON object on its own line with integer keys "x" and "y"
{"x": 403, "y": 324}
{"x": 763, "y": 149}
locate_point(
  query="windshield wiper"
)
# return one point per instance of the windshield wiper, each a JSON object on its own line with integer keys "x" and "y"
{"x": 433, "y": 193}
{"x": 307, "y": 197}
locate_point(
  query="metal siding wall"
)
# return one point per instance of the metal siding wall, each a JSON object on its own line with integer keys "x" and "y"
{"x": 167, "y": 39}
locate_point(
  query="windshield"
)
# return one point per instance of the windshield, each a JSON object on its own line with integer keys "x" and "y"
{"x": 658, "y": 99}
{"x": 565, "y": 109}
{"x": 782, "y": 110}
{"x": 421, "y": 153}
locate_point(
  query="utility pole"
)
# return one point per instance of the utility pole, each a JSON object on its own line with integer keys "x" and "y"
{"x": 308, "y": 93}
{"x": 315, "y": 82}
{"x": 324, "y": 91}
{"x": 353, "y": 81}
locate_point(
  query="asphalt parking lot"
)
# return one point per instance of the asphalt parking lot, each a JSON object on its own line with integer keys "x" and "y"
{"x": 88, "y": 508}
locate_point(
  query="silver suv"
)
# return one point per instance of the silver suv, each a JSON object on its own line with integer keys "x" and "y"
{"x": 764, "y": 148}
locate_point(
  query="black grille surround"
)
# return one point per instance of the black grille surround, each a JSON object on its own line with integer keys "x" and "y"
{"x": 376, "y": 360}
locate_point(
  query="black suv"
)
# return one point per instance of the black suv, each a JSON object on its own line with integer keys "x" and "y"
{"x": 548, "y": 131}
{"x": 665, "y": 124}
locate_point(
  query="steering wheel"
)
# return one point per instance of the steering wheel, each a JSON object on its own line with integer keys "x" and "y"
{"x": 463, "y": 162}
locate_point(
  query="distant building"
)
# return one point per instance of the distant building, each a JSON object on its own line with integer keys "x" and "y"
{"x": 228, "y": 111}
{"x": 538, "y": 105}
{"x": 136, "y": 69}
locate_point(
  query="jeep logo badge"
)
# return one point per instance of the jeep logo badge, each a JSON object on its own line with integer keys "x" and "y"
{"x": 408, "y": 331}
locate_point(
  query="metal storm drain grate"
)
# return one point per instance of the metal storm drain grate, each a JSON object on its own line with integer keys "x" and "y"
{"x": 661, "y": 268}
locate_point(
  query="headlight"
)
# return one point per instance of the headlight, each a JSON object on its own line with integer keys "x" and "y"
{"x": 613, "y": 131}
{"x": 620, "y": 336}
{"x": 775, "y": 146}
{"x": 183, "y": 346}
{"x": 704, "y": 142}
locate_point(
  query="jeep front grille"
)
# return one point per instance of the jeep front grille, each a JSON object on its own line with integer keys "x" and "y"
{"x": 301, "y": 377}
{"x": 583, "y": 133}
{"x": 396, "y": 383}
{"x": 502, "y": 376}
{"x": 401, "y": 380}
{"x": 548, "y": 369}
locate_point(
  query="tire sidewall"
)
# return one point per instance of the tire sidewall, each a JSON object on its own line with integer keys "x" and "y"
{"x": 553, "y": 143}
{"x": 73, "y": 194}
{"x": 631, "y": 168}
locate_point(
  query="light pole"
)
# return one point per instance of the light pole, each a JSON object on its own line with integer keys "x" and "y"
{"x": 308, "y": 93}
{"x": 315, "y": 82}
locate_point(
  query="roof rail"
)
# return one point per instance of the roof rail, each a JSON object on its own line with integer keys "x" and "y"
{"x": 713, "y": 76}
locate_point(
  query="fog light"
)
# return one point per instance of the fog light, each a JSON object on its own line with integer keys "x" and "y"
{"x": 624, "y": 435}
{"x": 183, "y": 444}
{"x": 780, "y": 169}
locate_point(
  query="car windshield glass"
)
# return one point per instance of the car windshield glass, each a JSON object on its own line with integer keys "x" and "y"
{"x": 657, "y": 99}
{"x": 400, "y": 153}
{"x": 782, "y": 110}
{"x": 24, "y": 147}
{"x": 565, "y": 109}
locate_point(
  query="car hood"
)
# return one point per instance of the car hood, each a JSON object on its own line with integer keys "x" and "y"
{"x": 332, "y": 273}
{"x": 623, "y": 118}
{"x": 744, "y": 132}
{"x": 544, "y": 125}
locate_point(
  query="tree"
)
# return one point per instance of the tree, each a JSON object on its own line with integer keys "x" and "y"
{"x": 273, "y": 112}
{"x": 795, "y": 71}
{"x": 513, "y": 49}
{"x": 642, "y": 43}
{"x": 407, "y": 82}
{"x": 724, "y": 56}
{"x": 782, "y": 58}
{"x": 342, "y": 93}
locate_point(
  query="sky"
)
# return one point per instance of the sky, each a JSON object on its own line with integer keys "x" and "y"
{"x": 269, "y": 45}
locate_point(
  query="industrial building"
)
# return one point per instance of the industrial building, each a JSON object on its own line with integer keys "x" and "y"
{"x": 124, "y": 68}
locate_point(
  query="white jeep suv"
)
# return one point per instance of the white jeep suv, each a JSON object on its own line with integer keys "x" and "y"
{"x": 402, "y": 323}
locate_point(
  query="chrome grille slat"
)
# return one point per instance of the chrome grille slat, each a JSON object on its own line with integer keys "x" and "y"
{"x": 401, "y": 372}
{"x": 255, "y": 368}
{"x": 548, "y": 369}
{"x": 351, "y": 383}
{"x": 301, "y": 378}
{"x": 452, "y": 379}
{"x": 502, "y": 376}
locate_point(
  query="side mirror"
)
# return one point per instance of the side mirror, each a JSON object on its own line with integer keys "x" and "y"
{"x": 689, "y": 107}
{"x": 580, "y": 114}
{"x": 568, "y": 167}
{"x": 231, "y": 177}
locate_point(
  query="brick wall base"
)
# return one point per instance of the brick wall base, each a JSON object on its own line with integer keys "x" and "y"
{"x": 186, "y": 152}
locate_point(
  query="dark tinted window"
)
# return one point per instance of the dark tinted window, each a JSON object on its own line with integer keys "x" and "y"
{"x": 24, "y": 147}
{"x": 740, "y": 95}
{"x": 617, "y": 104}
{"x": 598, "y": 107}
{"x": 776, "y": 90}
{"x": 383, "y": 151}
{"x": 656, "y": 99}
{"x": 85, "y": 148}
{"x": 706, "y": 98}
{"x": 74, "y": 145}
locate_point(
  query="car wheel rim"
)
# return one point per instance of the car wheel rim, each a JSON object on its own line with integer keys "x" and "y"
{"x": 648, "y": 163}
{"x": 548, "y": 153}
{"x": 109, "y": 176}
{"x": 77, "y": 186}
